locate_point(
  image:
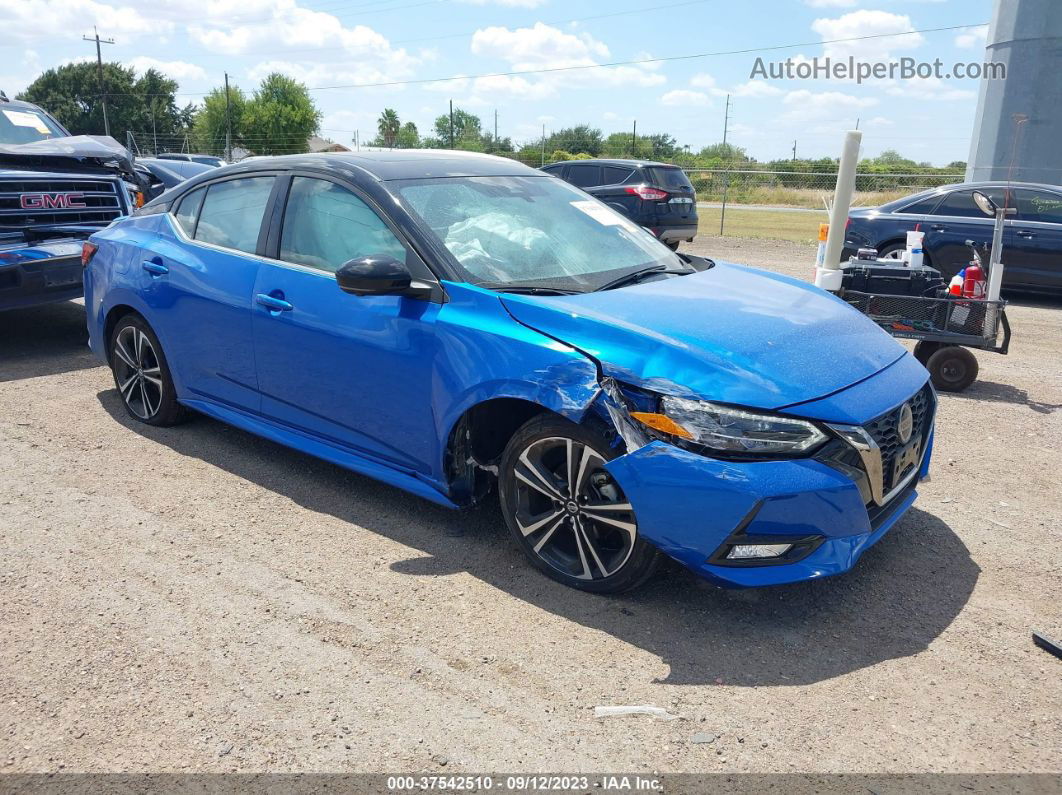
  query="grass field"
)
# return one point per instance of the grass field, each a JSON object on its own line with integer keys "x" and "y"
{"x": 798, "y": 227}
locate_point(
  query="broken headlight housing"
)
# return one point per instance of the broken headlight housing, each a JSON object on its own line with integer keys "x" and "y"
{"x": 731, "y": 431}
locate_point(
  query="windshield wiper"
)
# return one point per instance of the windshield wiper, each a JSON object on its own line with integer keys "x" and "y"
{"x": 519, "y": 290}
{"x": 631, "y": 278}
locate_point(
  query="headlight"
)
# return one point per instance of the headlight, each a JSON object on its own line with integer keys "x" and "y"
{"x": 732, "y": 430}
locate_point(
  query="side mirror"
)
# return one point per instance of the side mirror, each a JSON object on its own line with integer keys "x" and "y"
{"x": 379, "y": 274}
{"x": 984, "y": 203}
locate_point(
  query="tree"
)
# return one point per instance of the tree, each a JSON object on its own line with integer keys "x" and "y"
{"x": 408, "y": 137}
{"x": 467, "y": 132}
{"x": 388, "y": 126}
{"x": 725, "y": 153}
{"x": 280, "y": 118}
{"x": 210, "y": 126}
{"x": 71, "y": 94}
{"x": 581, "y": 138}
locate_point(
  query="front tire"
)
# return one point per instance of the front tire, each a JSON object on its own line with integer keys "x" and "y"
{"x": 141, "y": 373}
{"x": 567, "y": 514}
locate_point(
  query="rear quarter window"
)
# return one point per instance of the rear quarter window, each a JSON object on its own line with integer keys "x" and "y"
{"x": 667, "y": 177}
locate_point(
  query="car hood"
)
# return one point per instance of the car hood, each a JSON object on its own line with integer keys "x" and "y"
{"x": 731, "y": 334}
{"x": 97, "y": 150}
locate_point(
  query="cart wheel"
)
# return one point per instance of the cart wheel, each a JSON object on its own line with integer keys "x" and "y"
{"x": 952, "y": 368}
{"x": 924, "y": 349}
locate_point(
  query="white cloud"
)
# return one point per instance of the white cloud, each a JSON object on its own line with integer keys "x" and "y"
{"x": 867, "y": 23}
{"x": 752, "y": 88}
{"x": 682, "y": 97}
{"x": 826, "y": 109}
{"x": 545, "y": 47}
{"x": 928, "y": 89}
{"x": 971, "y": 38}
{"x": 178, "y": 70}
{"x": 538, "y": 46}
{"x": 36, "y": 19}
{"x": 830, "y": 3}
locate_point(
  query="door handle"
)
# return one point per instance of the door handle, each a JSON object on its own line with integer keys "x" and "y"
{"x": 154, "y": 267}
{"x": 273, "y": 304}
{"x": 1026, "y": 234}
{"x": 937, "y": 227}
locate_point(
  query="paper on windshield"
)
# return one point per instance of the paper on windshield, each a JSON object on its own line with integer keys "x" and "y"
{"x": 22, "y": 119}
{"x": 599, "y": 213}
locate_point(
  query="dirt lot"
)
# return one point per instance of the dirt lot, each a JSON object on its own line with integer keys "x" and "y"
{"x": 199, "y": 599}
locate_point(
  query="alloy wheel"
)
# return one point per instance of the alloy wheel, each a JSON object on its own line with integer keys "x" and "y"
{"x": 570, "y": 511}
{"x": 137, "y": 372}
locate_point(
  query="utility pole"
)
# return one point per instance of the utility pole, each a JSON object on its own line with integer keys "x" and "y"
{"x": 543, "y": 145}
{"x": 228, "y": 122}
{"x": 99, "y": 73}
{"x": 495, "y": 129}
{"x": 451, "y": 124}
{"x": 794, "y": 151}
{"x": 154, "y": 131}
{"x": 634, "y": 140}
{"x": 726, "y": 121}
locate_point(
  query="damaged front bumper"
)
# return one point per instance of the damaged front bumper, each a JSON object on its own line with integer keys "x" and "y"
{"x": 693, "y": 508}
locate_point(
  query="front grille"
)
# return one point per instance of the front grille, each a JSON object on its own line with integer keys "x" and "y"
{"x": 883, "y": 431}
{"x": 35, "y": 202}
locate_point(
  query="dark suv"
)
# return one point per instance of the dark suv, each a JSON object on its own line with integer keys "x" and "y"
{"x": 654, "y": 195}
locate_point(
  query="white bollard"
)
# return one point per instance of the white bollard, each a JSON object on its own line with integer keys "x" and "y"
{"x": 828, "y": 275}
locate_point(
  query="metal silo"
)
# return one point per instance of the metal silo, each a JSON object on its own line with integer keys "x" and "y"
{"x": 1018, "y": 127}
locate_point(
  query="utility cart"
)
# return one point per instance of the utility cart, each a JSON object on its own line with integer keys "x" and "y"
{"x": 912, "y": 302}
{"x": 945, "y": 328}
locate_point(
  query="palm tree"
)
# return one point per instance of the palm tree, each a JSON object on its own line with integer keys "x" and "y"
{"x": 388, "y": 127}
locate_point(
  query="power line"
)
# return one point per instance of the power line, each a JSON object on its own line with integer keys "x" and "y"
{"x": 609, "y": 65}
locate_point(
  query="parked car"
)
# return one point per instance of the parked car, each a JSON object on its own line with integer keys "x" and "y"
{"x": 173, "y": 172}
{"x": 1032, "y": 240}
{"x": 206, "y": 160}
{"x": 55, "y": 190}
{"x": 654, "y": 195}
{"x": 450, "y": 322}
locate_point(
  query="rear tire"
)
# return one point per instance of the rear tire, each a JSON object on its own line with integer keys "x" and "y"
{"x": 141, "y": 373}
{"x": 566, "y": 513}
{"x": 924, "y": 349}
{"x": 672, "y": 244}
{"x": 952, "y": 368}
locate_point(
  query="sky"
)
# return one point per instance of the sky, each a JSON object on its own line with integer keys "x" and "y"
{"x": 335, "y": 47}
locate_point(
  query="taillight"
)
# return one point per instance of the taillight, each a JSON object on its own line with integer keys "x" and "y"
{"x": 138, "y": 199}
{"x": 88, "y": 251}
{"x": 647, "y": 193}
{"x": 847, "y": 223}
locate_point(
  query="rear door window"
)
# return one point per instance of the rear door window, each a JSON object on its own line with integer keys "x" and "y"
{"x": 232, "y": 212}
{"x": 668, "y": 177}
{"x": 1038, "y": 205}
{"x": 584, "y": 176}
{"x": 615, "y": 175}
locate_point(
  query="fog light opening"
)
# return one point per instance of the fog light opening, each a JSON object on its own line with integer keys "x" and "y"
{"x": 757, "y": 551}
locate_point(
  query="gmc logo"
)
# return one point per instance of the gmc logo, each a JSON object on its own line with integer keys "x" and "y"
{"x": 53, "y": 201}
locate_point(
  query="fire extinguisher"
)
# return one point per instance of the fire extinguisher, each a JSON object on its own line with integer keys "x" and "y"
{"x": 974, "y": 284}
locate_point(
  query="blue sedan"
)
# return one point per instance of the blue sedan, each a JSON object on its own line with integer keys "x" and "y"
{"x": 452, "y": 323}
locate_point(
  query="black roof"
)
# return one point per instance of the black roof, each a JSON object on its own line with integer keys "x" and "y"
{"x": 394, "y": 164}
{"x": 608, "y": 161}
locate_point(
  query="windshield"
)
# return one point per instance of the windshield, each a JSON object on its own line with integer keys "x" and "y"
{"x": 26, "y": 125}
{"x": 532, "y": 231}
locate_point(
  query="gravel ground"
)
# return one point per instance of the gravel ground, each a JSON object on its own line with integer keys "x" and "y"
{"x": 196, "y": 598}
